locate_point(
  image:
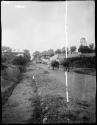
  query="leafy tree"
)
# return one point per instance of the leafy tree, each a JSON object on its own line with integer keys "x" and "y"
{"x": 50, "y": 52}
{"x": 19, "y": 60}
{"x": 84, "y": 49}
{"x": 6, "y": 49}
{"x": 36, "y": 54}
{"x": 63, "y": 50}
{"x": 27, "y": 54}
{"x": 91, "y": 46}
{"x": 44, "y": 53}
{"x": 7, "y": 55}
{"x": 73, "y": 49}
{"x": 58, "y": 51}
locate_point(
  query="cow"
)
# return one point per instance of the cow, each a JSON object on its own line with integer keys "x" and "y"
{"x": 66, "y": 65}
{"x": 54, "y": 64}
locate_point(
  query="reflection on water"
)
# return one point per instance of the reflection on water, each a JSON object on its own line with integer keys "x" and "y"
{"x": 82, "y": 91}
{"x": 81, "y": 87}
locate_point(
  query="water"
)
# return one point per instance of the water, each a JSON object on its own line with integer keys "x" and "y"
{"x": 81, "y": 87}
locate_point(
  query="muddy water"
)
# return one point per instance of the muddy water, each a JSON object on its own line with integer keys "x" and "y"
{"x": 81, "y": 87}
{"x": 81, "y": 92}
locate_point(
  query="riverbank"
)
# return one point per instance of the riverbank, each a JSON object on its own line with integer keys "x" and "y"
{"x": 52, "y": 96}
{"x": 18, "y": 107}
{"x": 87, "y": 71}
{"x": 43, "y": 100}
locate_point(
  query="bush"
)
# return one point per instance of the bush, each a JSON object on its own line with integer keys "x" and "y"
{"x": 81, "y": 62}
{"x": 85, "y": 49}
{"x": 3, "y": 59}
{"x": 20, "y": 60}
{"x": 86, "y": 62}
{"x": 22, "y": 68}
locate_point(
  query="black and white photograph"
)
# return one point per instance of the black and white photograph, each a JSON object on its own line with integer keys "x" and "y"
{"x": 48, "y": 62}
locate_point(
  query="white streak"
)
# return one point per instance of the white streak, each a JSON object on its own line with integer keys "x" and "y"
{"x": 45, "y": 119}
{"x": 66, "y": 78}
{"x": 19, "y": 6}
{"x": 67, "y": 96}
{"x": 66, "y": 27}
{"x": 33, "y": 77}
{"x": 66, "y": 87}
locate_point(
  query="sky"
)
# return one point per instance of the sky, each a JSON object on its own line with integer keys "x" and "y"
{"x": 41, "y": 25}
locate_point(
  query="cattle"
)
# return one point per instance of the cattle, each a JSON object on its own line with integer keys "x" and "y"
{"x": 65, "y": 65}
{"x": 54, "y": 64}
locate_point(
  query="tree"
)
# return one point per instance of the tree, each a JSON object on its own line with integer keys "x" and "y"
{"x": 36, "y": 54}
{"x": 6, "y": 49}
{"x": 44, "y": 53}
{"x": 63, "y": 50}
{"x": 50, "y": 52}
{"x": 58, "y": 51}
{"x": 7, "y": 55}
{"x": 19, "y": 60}
{"x": 91, "y": 46}
{"x": 73, "y": 49}
{"x": 84, "y": 49}
{"x": 27, "y": 54}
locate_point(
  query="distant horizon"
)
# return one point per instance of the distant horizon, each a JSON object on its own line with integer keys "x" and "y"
{"x": 20, "y": 50}
{"x": 40, "y": 26}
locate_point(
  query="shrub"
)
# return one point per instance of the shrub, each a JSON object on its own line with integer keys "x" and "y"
{"x": 86, "y": 62}
{"x": 3, "y": 59}
{"x": 20, "y": 60}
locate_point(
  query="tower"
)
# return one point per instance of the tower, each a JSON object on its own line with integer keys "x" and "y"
{"x": 83, "y": 41}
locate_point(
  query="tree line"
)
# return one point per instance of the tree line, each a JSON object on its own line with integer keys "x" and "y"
{"x": 82, "y": 48}
{"x": 10, "y": 58}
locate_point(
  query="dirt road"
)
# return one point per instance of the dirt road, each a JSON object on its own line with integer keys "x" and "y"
{"x": 51, "y": 105}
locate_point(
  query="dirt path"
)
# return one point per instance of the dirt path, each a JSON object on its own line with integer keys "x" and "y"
{"x": 50, "y": 95}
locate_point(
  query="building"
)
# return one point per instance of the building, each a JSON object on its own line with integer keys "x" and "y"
{"x": 58, "y": 57}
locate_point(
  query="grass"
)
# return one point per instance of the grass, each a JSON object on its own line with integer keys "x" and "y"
{"x": 56, "y": 110}
{"x": 8, "y": 85}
